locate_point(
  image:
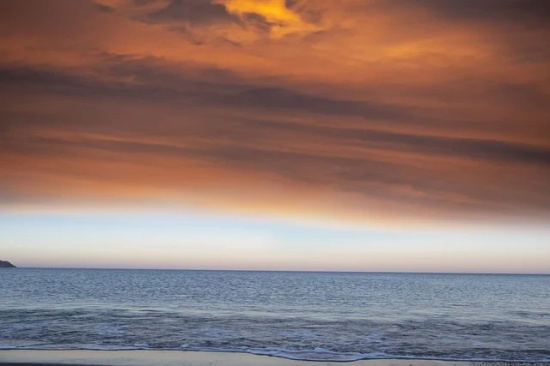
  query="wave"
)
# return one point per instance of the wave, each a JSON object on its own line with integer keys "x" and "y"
{"x": 316, "y": 354}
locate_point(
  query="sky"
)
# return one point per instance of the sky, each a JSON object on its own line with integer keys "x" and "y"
{"x": 351, "y": 135}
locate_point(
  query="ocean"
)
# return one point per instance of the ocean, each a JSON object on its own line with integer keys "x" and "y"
{"x": 297, "y": 315}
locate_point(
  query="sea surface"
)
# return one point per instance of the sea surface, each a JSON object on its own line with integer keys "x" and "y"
{"x": 298, "y": 315}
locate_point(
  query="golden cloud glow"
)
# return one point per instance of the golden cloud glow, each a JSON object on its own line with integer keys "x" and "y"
{"x": 282, "y": 21}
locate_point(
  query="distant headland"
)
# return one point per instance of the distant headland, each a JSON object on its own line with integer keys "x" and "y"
{"x": 6, "y": 264}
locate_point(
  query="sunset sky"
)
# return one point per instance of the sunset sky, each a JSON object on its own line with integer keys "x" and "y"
{"x": 355, "y": 135}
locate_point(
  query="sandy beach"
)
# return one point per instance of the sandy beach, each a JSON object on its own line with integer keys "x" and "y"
{"x": 189, "y": 358}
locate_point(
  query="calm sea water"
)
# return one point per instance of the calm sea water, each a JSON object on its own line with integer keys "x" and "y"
{"x": 299, "y": 315}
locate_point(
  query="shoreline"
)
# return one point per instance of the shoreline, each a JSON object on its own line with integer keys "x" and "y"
{"x": 206, "y": 358}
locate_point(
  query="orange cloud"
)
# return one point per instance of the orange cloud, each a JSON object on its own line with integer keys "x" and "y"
{"x": 393, "y": 112}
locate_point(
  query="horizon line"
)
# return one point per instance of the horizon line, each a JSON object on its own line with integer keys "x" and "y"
{"x": 288, "y": 270}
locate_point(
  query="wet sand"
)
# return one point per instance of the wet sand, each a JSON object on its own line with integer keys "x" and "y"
{"x": 190, "y": 358}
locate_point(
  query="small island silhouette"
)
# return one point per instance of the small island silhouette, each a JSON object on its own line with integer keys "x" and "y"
{"x": 6, "y": 264}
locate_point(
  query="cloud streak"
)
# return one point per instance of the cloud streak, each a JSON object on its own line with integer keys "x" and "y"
{"x": 362, "y": 110}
